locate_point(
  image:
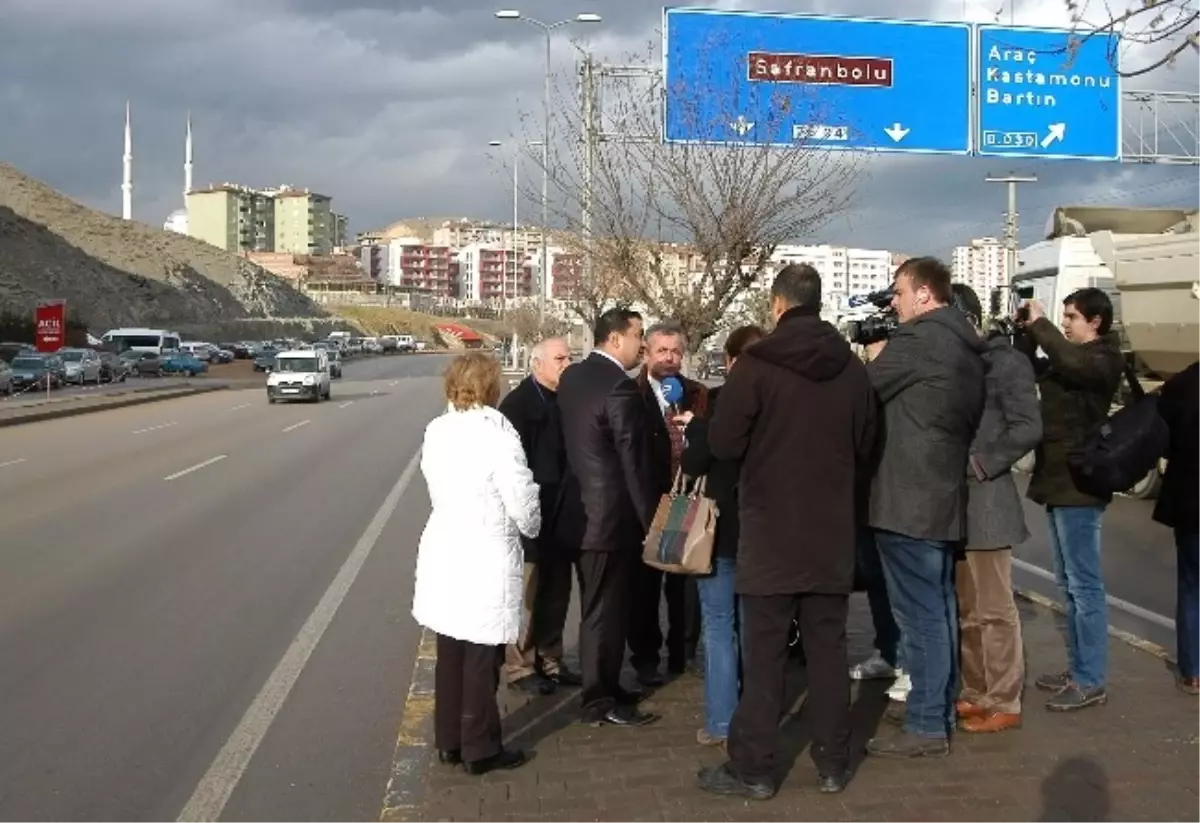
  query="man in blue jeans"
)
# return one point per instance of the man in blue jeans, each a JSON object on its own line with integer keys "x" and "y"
{"x": 1077, "y": 379}
{"x": 929, "y": 376}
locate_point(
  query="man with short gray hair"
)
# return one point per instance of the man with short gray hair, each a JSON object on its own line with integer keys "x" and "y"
{"x": 666, "y": 346}
{"x": 534, "y": 663}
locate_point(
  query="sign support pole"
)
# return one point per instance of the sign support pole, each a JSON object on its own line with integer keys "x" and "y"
{"x": 1010, "y": 219}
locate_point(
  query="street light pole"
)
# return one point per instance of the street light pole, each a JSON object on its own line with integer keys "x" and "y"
{"x": 547, "y": 28}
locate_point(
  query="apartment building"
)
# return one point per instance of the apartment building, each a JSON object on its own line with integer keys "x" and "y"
{"x": 231, "y": 217}
{"x": 303, "y": 221}
{"x": 845, "y": 272}
{"x": 426, "y": 267}
{"x": 981, "y": 264}
{"x": 565, "y": 269}
{"x": 374, "y": 260}
{"x": 339, "y": 230}
{"x": 488, "y": 273}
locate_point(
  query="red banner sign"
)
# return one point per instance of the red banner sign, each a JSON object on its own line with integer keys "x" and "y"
{"x": 50, "y": 319}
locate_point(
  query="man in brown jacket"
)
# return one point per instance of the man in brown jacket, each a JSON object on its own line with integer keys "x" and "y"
{"x": 799, "y": 412}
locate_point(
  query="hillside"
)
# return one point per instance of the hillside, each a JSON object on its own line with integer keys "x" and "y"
{"x": 114, "y": 272}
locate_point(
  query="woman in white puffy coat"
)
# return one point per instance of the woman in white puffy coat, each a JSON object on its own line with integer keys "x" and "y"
{"x": 469, "y": 564}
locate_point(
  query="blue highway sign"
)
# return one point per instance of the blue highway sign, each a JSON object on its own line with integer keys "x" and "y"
{"x": 1047, "y": 93}
{"x": 833, "y": 82}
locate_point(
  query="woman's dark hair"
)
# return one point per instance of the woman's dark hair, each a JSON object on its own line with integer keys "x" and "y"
{"x": 742, "y": 337}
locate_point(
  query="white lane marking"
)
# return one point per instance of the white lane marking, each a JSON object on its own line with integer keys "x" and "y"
{"x": 155, "y": 428}
{"x": 394, "y": 383}
{"x": 239, "y": 408}
{"x": 1116, "y": 602}
{"x": 295, "y": 426}
{"x": 374, "y": 392}
{"x": 215, "y": 788}
{"x": 12, "y": 462}
{"x": 347, "y": 403}
{"x": 196, "y": 467}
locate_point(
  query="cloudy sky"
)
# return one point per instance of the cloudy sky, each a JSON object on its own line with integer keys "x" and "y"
{"x": 388, "y": 105}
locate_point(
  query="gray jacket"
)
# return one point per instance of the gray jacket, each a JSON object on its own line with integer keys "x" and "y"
{"x": 1011, "y": 428}
{"x": 930, "y": 380}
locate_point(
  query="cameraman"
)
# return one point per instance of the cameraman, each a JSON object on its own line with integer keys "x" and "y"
{"x": 1077, "y": 380}
{"x": 930, "y": 379}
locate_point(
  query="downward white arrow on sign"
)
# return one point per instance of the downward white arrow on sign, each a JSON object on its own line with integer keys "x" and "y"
{"x": 897, "y": 132}
{"x": 1057, "y": 132}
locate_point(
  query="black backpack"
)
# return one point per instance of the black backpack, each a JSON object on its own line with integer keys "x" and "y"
{"x": 1124, "y": 449}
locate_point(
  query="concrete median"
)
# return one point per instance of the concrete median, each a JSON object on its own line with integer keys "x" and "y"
{"x": 57, "y": 407}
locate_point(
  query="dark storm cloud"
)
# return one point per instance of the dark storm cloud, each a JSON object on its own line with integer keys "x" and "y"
{"x": 388, "y": 105}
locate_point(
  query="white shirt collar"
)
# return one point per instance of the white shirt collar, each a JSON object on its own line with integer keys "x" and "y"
{"x": 603, "y": 353}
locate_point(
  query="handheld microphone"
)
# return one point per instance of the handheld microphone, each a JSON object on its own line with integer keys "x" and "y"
{"x": 672, "y": 389}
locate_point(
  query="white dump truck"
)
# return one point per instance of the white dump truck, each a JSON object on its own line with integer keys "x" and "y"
{"x": 1148, "y": 261}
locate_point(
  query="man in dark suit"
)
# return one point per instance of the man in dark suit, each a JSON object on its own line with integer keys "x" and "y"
{"x": 664, "y": 352}
{"x": 604, "y": 427}
{"x": 534, "y": 663}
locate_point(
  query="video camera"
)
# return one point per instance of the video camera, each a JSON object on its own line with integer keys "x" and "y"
{"x": 876, "y": 327}
{"x": 1001, "y": 322}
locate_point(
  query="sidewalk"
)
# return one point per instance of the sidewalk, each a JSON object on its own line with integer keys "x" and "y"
{"x": 1133, "y": 759}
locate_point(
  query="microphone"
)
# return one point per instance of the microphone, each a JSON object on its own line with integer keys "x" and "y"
{"x": 672, "y": 389}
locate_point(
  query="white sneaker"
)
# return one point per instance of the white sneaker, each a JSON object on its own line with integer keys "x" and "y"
{"x": 900, "y": 689}
{"x": 873, "y": 668}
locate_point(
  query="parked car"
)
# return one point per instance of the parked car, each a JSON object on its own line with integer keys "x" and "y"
{"x": 82, "y": 365}
{"x": 10, "y": 350}
{"x": 183, "y": 363}
{"x": 37, "y": 370}
{"x": 265, "y": 359}
{"x": 112, "y": 368}
{"x": 143, "y": 363}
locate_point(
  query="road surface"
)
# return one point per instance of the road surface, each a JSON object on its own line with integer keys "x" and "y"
{"x": 1138, "y": 556}
{"x": 168, "y": 570}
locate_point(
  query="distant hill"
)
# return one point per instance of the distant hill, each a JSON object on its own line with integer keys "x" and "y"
{"x": 114, "y": 272}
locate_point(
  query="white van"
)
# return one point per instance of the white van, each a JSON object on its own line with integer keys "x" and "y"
{"x": 158, "y": 341}
{"x": 299, "y": 375}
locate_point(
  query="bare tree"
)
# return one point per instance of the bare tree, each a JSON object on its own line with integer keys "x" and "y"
{"x": 1166, "y": 28}
{"x": 522, "y": 321}
{"x": 684, "y": 228}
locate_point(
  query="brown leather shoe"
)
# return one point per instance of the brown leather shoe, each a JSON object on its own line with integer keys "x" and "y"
{"x": 965, "y": 709}
{"x": 994, "y": 722}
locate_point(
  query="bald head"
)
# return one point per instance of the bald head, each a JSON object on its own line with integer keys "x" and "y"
{"x": 548, "y": 360}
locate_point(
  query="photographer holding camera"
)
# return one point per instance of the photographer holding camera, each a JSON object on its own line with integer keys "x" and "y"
{"x": 1077, "y": 380}
{"x": 929, "y": 377}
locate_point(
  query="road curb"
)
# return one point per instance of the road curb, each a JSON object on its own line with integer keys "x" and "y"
{"x": 1139, "y": 643}
{"x": 406, "y": 780}
{"x": 121, "y": 401}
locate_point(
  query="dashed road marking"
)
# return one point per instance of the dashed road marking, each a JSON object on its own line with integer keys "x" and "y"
{"x": 215, "y": 788}
{"x": 295, "y": 426}
{"x": 347, "y": 403}
{"x": 394, "y": 383}
{"x": 239, "y": 408}
{"x": 12, "y": 462}
{"x": 155, "y": 428}
{"x": 196, "y": 467}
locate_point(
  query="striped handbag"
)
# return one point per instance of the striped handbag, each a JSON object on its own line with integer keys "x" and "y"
{"x": 681, "y": 536}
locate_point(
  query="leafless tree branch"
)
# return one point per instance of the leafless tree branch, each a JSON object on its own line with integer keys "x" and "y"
{"x": 684, "y": 228}
{"x": 1169, "y": 27}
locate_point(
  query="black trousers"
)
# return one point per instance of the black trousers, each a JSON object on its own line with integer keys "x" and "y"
{"x": 603, "y": 625}
{"x": 754, "y": 732}
{"x": 466, "y": 716}
{"x": 645, "y": 626}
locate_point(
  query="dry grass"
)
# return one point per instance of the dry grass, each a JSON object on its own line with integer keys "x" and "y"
{"x": 377, "y": 320}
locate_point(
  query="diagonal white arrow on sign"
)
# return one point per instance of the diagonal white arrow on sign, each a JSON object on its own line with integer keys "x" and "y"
{"x": 1058, "y": 131}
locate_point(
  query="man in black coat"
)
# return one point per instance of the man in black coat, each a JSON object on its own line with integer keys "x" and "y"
{"x": 799, "y": 412}
{"x": 604, "y": 426}
{"x": 534, "y": 663}
{"x": 665, "y": 349}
